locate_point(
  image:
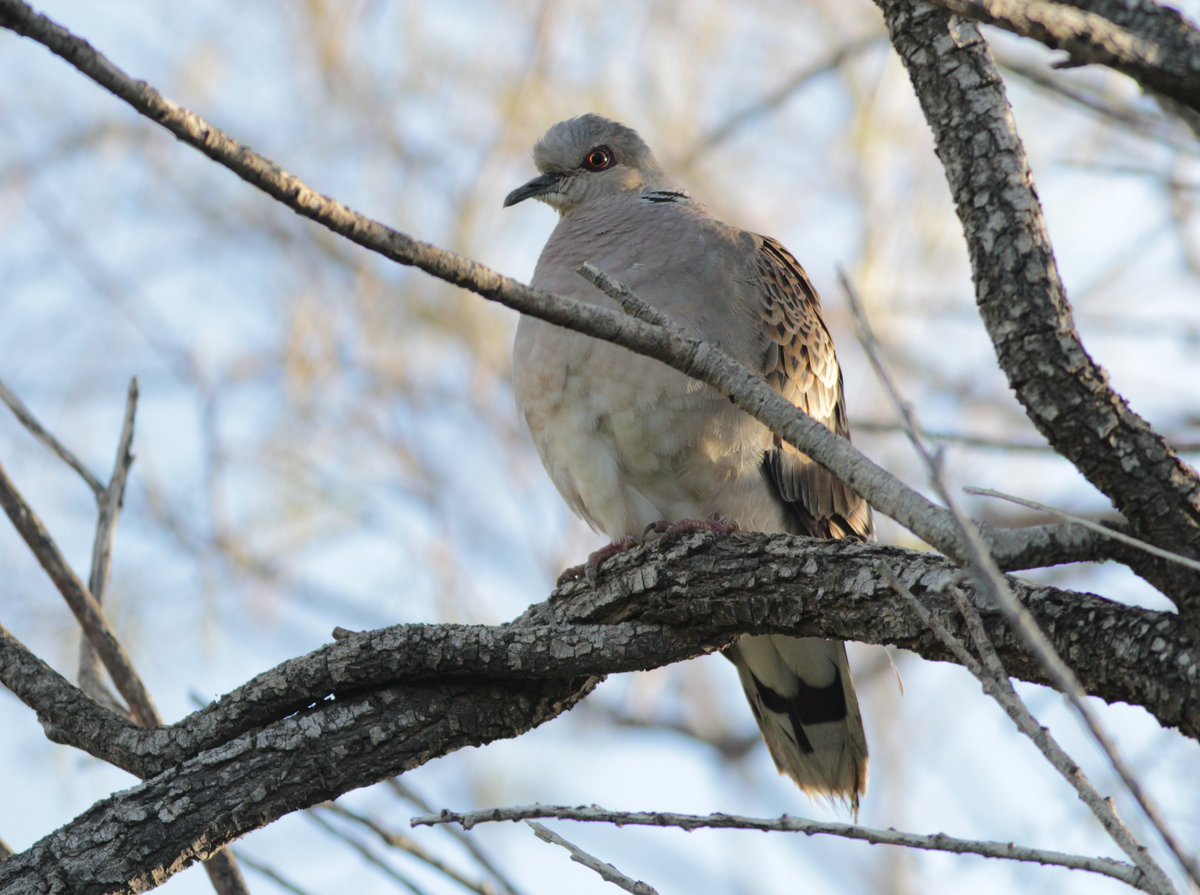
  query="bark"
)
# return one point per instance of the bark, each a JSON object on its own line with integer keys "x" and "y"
{"x": 1154, "y": 45}
{"x": 379, "y": 703}
{"x": 1022, "y": 299}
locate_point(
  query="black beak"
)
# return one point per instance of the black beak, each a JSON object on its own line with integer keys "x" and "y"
{"x": 539, "y": 186}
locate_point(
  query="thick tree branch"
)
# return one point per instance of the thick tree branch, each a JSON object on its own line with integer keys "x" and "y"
{"x": 1152, "y": 44}
{"x": 1021, "y": 297}
{"x": 136, "y": 839}
{"x": 652, "y": 606}
{"x": 386, "y": 701}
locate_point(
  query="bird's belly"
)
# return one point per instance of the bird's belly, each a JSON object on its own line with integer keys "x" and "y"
{"x": 629, "y": 443}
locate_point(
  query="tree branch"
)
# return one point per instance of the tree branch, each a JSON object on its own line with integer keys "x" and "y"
{"x": 110, "y": 501}
{"x": 137, "y": 838}
{"x": 1152, "y": 44}
{"x": 84, "y": 606}
{"x": 1126, "y": 873}
{"x": 1022, "y": 300}
{"x": 387, "y": 701}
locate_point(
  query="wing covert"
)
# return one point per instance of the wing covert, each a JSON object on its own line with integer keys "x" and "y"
{"x": 801, "y": 364}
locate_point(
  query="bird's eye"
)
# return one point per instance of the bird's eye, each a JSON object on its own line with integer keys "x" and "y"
{"x": 599, "y": 158}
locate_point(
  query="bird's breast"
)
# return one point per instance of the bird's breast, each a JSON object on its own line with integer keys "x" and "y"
{"x": 626, "y": 440}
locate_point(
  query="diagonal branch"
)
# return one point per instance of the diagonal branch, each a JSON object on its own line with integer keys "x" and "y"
{"x": 702, "y": 361}
{"x": 84, "y": 606}
{"x": 47, "y": 438}
{"x": 991, "y": 675}
{"x": 1152, "y": 44}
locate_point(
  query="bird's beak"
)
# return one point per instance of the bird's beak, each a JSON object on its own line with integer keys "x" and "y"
{"x": 539, "y": 186}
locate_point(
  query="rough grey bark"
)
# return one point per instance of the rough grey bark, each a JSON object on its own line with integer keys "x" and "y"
{"x": 1022, "y": 299}
{"x": 382, "y": 702}
{"x": 136, "y": 839}
{"x": 1152, "y": 44}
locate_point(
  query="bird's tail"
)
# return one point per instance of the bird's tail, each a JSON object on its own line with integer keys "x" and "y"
{"x": 804, "y": 700}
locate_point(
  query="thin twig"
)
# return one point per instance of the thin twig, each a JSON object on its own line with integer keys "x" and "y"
{"x": 778, "y": 96}
{"x": 1120, "y": 870}
{"x": 623, "y": 295}
{"x": 1150, "y": 877}
{"x": 405, "y": 791}
{"x": 272, "y": 874}
{"x": 408, "y": 846}
{"x": 87, "y": 611}
{"x": 991, "y": 582}
{"x": 982, "y": 442}
{"x": 110, "y": 502}
{"x": 366, "y": 853}
{"x": 1090, "y": 525}
{"x": 56, "y": 447}
{"x": 607, "y": 871}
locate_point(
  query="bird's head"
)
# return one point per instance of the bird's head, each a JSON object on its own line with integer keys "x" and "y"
{"x": 586, "y": 160}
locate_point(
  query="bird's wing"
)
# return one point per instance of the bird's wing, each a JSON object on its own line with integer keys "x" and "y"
{"x": 801, "y": 364}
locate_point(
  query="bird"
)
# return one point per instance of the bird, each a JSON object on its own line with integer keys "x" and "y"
{"x": 634, "y": 446}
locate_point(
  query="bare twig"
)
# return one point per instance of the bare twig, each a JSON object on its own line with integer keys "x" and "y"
{"x": 405, "y": 844}
{"x": 56, "y": 447}
{"x": 110, "y": 501}
{"x": 992, "y": 583}
{"x": 367, "y": 854}
{"x": 87, "y": 611}
{"x": 405, "y": 791}
{"x": 1090, "y": 525}
{"x": 763, "y": 105}
{"x": 272, "y": 874}
{"x": 996, "y": 685}
{"x": 1182, "y": 444}
{"x": 607, "y": 871}
{"x": 787, "y": 824}
{"x": 623, "y": 295}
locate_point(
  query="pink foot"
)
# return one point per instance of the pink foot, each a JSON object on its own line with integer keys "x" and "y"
{"x": 591, "y": 568}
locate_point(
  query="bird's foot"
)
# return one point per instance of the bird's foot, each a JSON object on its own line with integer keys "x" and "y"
{"x": 591, "y": 568}
{"x": 667, "y": 530}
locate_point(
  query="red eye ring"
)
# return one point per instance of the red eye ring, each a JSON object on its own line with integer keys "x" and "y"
{"x": 599, "y": 158}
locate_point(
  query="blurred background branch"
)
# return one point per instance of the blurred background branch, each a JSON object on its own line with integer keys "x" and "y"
{"x": 326, "y": 439}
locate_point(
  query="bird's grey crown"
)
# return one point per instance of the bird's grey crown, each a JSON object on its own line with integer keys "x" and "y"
{"x": 566, "y": 144}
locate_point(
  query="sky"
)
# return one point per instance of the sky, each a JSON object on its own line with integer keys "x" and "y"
{"x": 325, "y": 439}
